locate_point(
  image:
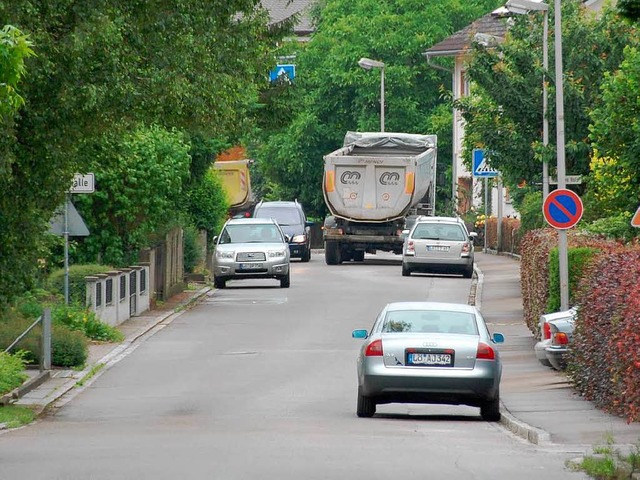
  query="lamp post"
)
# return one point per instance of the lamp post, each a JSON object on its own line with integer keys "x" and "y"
{"x": 522, "y": 7}
{"x": 368, "y": 64}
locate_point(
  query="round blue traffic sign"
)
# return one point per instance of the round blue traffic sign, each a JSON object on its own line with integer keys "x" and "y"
{"x": 562, "y": 208}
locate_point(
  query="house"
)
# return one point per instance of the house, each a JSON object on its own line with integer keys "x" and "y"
{"x": 281, "y": 11}
{"x": 489, "y": 29}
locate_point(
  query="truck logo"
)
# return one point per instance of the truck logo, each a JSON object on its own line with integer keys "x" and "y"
{"x": 390, "y": 178}
{"x": 350, "y": 178}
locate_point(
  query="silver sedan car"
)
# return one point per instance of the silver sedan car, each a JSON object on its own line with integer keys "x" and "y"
{"x": 251, "y": 248}
{"x": 429, "y": 352}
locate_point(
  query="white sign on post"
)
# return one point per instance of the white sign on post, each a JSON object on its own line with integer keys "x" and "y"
{"x": 83, "y": 183}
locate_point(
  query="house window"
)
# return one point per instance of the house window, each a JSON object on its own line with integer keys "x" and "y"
{"x": 109, "y": 288}
{"x": 143, "y": 280}
{"x": 98, "y": 294}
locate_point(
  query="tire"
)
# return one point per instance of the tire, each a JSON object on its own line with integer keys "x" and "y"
{"x": 331, "y": 253}
{"x": 219, "y": 282}
{"x": 406, "y": 271}
{"x": 306, "y": 256}
{"x": 468, "y": 272}
{"x": 358, "y": 256}
{"x": 490, "y": 410}
{"x": 366, "y": 407}
{"x": 285, "y": 281}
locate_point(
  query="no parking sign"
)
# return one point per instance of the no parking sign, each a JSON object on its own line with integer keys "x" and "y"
{"x": 562, "y": 209}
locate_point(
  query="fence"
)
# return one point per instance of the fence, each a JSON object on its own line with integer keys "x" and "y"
{"x": 45, "y": 358}
{"x": 117, "y": 295}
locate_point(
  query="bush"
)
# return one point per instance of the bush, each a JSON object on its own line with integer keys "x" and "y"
{"x": 85, "y": 321}
{"x": 193, "y": 254}
{"x": 578, "y": 260}
{"x": 617, "y": 227}
{"x": 68, "y": 347}
{"x": 77, "y": 285}
{"x": 11, "y": 372}
{"x": 605, "y": 359}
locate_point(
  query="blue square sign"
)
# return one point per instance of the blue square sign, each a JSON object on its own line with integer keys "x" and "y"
{"x": 283, "y": 72}
{"x": 481, "y": 168}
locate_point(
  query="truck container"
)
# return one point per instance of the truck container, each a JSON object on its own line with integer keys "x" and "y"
{"x": 236, "y": 182}
{"x": 371, "y": 186}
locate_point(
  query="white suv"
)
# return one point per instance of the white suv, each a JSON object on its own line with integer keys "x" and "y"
{"x": 438, "y": 244}
{"x": 251, "y": 248}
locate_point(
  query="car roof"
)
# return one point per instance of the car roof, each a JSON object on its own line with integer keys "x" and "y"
{"x": 454, "y": 307}
{"x": 250, "y": 221}
{"x": 279, "y": 203}
{"x": 426, "y": 219}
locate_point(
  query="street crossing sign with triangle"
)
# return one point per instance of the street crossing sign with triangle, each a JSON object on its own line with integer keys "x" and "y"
{"x": 635, "y": 220}
{"x": 481, "y": 168}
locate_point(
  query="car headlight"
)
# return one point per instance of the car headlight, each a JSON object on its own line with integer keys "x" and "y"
{"x": 225, "y": 254}
{"x": 276, "y": 253}
{"x": 299, "y": 238}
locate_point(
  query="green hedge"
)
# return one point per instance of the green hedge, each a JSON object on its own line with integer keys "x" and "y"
{"x": 579, "y": 259}
{"x": 77, "y": 284}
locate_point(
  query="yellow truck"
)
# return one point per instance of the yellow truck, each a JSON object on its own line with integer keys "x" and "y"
{"x": 236, "y": 182}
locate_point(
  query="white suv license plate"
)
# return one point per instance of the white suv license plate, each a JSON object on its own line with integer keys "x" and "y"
{"x": 430, "y": 359}
{"x": 437, "y": 248}
{"x": 250, "y": 266}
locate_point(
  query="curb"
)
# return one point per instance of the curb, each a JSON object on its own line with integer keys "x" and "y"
{"x": 26, "y": 387}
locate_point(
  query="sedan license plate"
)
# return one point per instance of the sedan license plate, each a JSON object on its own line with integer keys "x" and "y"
{"x": 437, "y": 248}
{"x": 250, "y": 266}
{"x": 431, "y": 359}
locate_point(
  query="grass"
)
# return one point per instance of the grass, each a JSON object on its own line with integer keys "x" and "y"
{"x": 14, "y": 416}
{"x": 607, "y": 463}
{"x": 95, "y": 369}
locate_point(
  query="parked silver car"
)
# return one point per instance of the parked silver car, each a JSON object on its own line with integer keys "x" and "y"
{"x": 438, "y": 244}
{"x": 556, "y": 332}
{"x": 429, "y": 352}
{"x": 251, "y": 248}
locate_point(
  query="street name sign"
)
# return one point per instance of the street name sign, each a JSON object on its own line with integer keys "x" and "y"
{"x": 562, "y": 209}
{"x": 83, "y": 183}
{"x": 569, "y": 180}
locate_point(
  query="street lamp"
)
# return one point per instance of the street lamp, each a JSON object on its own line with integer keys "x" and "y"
{"x": 368, "y": 64}
{"x": 523, "y": 7}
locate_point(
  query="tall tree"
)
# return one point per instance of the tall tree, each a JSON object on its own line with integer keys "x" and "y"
{"x": 332, "y": 94}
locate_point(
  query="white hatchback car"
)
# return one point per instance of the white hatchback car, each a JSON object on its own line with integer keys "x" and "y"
{"x": 438, "y": 244}
{"x": 251, "y": 248}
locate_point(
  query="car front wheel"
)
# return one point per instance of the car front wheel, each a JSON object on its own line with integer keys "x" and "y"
{"x": 366, "y": 407}
{"x": 219, "y": 282}
{"x": 285, "y": 281}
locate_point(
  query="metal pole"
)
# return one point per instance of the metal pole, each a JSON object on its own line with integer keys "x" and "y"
{"x": 486, "y": 207}
{"x": 454, "y": 164}
{"x": 66, "y": 249}
{"x": 562, "y": 234}
{"x": 46, "y": 340}
{"x": 500, "y": 213}
{"x": 545, "y": 104}
{"x": 382, "y": 99}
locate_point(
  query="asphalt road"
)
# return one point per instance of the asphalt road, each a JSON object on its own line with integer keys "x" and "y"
{"x": 259, "y": 382}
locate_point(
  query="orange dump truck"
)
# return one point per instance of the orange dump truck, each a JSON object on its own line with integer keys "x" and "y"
{"x": 236, "y": 180}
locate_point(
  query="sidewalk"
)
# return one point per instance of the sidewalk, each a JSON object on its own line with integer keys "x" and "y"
{"x": 538, "y": 403}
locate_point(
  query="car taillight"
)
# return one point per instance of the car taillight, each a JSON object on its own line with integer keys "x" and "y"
{"x": 546, "y": 331}
{"x": 374, "y": 349}
{"x": 485, "y": 352}
{"x": 466, "y": 248}
{"x": 410, "y": 246}
{"x": 560, "y": 338}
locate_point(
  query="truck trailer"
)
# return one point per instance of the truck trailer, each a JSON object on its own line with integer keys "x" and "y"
{"x": 372, "y": 185}
{"x": 236, "y": 182}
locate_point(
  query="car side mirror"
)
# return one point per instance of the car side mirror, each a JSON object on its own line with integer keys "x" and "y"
{"x": 498, "y": 338}
{"x": 215, "y": 239}
{"x": 360, "y": 333}
{"x": 287, "y": 238}
{"x": 473, "y": 235}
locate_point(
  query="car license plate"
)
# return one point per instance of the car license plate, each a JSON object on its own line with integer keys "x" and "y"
{"x": 430, "y": 359}
{"x": 250, "y": 266}
{"x": 437, "y": 248}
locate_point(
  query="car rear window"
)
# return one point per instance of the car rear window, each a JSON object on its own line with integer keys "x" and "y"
{"x": 282, "y": 215}
{"x": 435, "y": 231}
{"x": 432, "y": 321}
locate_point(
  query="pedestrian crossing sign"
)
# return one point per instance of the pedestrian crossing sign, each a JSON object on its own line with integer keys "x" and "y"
{"x": 481, "y": 166}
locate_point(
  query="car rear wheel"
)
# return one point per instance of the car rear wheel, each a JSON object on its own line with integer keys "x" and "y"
{"x": 468, "y": 272}
{"x": 490, "y": 410}
{"x": 406, "y": 271}
{"x": 219, "y": 282}
{"x": 285, "y": 281}
{"x": 358, "y": 256}
{"x": 331, "y": 253}
{"x": 366, "y": 406}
